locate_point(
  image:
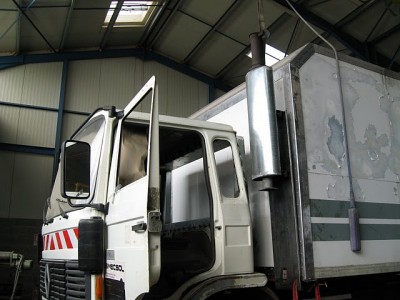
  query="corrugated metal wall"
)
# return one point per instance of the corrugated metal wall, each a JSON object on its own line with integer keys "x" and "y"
{"x": 29, "y": 96}
{"x": 29, "y": 103}
{"x": 102, "y": 82}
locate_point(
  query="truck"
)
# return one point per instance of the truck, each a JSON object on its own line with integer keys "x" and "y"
{"x": 287, "y": 183}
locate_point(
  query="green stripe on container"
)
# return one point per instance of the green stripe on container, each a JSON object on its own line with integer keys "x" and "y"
{"x": 340, "y": 232}
{"x": 366, "y": 210}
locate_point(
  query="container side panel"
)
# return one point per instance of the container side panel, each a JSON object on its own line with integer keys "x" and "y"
{"x": 381, "y": 255}
{"x": 372, "y": 113}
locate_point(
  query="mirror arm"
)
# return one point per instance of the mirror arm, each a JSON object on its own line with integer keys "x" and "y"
{"x": 97, "y": 206}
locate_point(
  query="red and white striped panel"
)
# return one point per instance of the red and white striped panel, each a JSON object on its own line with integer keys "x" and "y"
{"x": 64, "y": 239}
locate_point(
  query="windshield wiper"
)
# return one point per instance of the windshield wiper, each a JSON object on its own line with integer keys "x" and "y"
{"x": 47, "y": 205}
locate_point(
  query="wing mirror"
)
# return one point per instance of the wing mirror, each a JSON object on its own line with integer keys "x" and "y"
{"x": 75, "y": 170}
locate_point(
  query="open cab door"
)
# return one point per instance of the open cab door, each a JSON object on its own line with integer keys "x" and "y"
{"x": 133, "y": 257}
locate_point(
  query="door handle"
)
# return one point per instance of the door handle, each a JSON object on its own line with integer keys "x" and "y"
{"x": 139, "y": 228}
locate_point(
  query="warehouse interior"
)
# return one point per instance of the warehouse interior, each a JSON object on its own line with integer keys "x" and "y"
{"x": 62, "y": 59}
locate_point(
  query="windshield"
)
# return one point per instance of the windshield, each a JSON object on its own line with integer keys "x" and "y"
{"x": 92, "y": 133}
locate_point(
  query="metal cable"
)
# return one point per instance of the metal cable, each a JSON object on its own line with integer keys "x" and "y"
{"x": 261, "y": 19}
{"x": 355, "y": 239}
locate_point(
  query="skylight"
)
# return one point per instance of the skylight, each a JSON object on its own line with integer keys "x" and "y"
{"x": 132, "y": 13}
{"x": 272, "y": 55}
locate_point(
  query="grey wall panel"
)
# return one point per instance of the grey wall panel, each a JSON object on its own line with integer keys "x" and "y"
{"x": 9, "y": 117}
{"x": 37, "y": 128}
{"x": 161, "y": 73}
{"x": 203, "y": 95}
{"x": 41, "y": 85}
{"x": 11, "y": 81}
{"x": 83, "y": 85}
{"x": 183, "y": 94}
{"x": 71, "y": 122}
{"x": 6, "y": 172}
{"x": 90, "y": 84}
{"x": 179, "y": 94}
{"x": 95, "y": 83}
{"x": 181, "y": 102}
{"x": 31, "y": 185}
{"x": 117, "y": 81}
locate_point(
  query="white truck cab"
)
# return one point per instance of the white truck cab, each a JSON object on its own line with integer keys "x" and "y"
{"x": 147, "y": 206}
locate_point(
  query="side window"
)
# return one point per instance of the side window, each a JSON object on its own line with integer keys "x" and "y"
{"x": 133, "y": 154}
{"x": 226, "y": 170}
{"x": 183, "y": 161}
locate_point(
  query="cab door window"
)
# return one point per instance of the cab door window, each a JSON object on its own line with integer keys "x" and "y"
{"x": 133, "y": 154}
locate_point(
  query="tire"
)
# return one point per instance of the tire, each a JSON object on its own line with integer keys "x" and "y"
{"x": 269, "y": 293}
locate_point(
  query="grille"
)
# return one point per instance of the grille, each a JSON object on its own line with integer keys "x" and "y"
{"x": 66, "y": 280}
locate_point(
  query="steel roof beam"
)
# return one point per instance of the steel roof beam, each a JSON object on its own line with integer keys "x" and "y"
{"x": 27, "y": 149}
{"x": 33, "y": 25}
{"x": 318, "y": 40}
{"x": 222, "y": 19}
{"x": 66, "y": 26}
{"x": 18, "y": 31}
{"x": 377, "y": 22}
{"x": 154, "y": 22}
{"x": 111, "y": 24}
{"x": 294, "y": 32}
{"x": 350, "y": 42}
{"x": 165, "y": 24}
{"x": 276, "y": 24}
{"x": 386, "y": 34}
{"x": 241, "y": 54}
{"x": 355, "y": 13}
{"x": 140, "y": 53}
{"x": 355, "y": 46}
{"x": 316, "y": 3}
{"x": 393, "y": 58}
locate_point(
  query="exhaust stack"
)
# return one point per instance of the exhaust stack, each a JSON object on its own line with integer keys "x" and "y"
{"x": 263, "y": 129}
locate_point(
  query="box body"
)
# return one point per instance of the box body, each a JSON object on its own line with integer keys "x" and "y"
{"x": 302, "y": 228}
